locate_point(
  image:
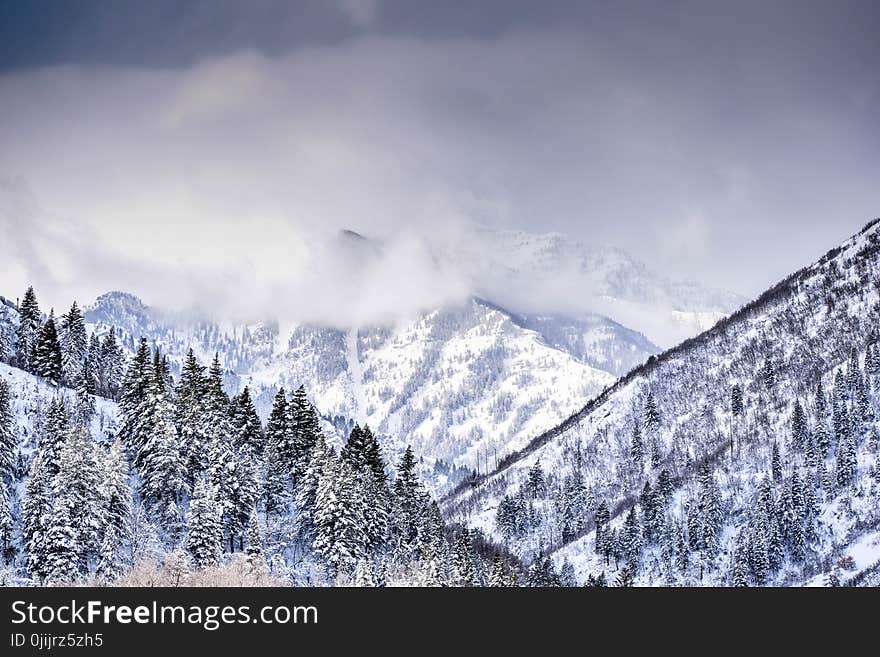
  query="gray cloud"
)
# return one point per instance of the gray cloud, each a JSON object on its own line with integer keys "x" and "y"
{"x": 224, "y": 181}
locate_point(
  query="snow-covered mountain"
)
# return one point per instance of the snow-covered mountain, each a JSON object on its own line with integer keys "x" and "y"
{"x": 742, "y": 487}
{"x": 552, "y": 273}
{"x": 460, "y": 384}
{"x": 465, "y": 382}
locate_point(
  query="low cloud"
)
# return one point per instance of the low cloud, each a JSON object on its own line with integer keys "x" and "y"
{"x": 225, "y": 184}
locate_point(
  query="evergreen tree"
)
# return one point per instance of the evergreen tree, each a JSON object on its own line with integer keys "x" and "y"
{"x": 664, "y": 487}
{"x": 625, "y": 578}
{"x": 363, "y": 574}
{"x": 110, "y": 362}
{"x": 254, "y": 547}
{"x": 85, "y": 391}
{"x": 55, "y": 426}
{"x": 463, "y": 562}
{"x": 822, "y": 437}
{"x": 276, "y": 426}
{"x": 190, "y": 418}
{"x": 536, "y": 484}
{"x": 158, "y": 459}
{"x": 601, "y": 521}
{"x": 137, "y": 385}
{"x": 846, "y": 461}
{"x": 6, "y": 341}
{"x": 542, "y": 573}
{"x": 632, "y": 540}
{"x": 205, "y": 526}
{"x": 337, "y": 517}
{"x": 74, "y": 345}
{"x": 651, "y": 415}
{"x": 78, "y": 498}
{"x": 307, "y": 490}
{"x": 407, "y": 504}
{"x": 8, "y": 438}
{"x": 62, "y": 551}
{"x": 29, "y": 322}
{"x": 498, "y": 575}
{"x": 636, "y": 448}
{"x": 798, "y": 427}
{"x": 117, "y": 513}
{"x": 712, "y": 520}
{"x": 304, "y": 429}
{"x": 566, "y": 574}
{"x": 246, "y": 427}
{"x": 776, "y": 463}
{"x": 5, "y": 521}
{"x": 274, "y": 490}
{"x": 736, "y": 400}
{"x": 36, "y": 513}
{"x": 768, "y": 374}
{"x": 840, "y": 417}
{"x": 739, "y": 576}
{"x": 46, "y": 355}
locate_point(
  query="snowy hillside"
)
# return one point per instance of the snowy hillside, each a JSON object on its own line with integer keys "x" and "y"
{"x": 723, "y": 460}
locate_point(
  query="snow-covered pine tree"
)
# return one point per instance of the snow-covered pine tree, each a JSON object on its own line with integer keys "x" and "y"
{"x": 78, "y": 487}
{"x": 740, "y": 570}
{"x": 158, "y": 459}
{"x": 110, "y": 363}
{"x": 276, "y": 424}
{"x": 846, "y": 461}
{"x": 463, "y": 562}
{"x": 822, "y": 436}
{"x": 798, "y": 427}
{"x": 337, "y": 517}
{"x": 36, "y": 512}
{"x": 636, "y": 448}
{"x": 651, "y": 416}
{"x": 254, "y": 548}
{"x": 5, "y": 522}
{"x": 632, "y": 540}
{"x": 62, "y": 547}
{"x": 736, "y": 400}
{"x": 567, "y": 577}
{"x": 205, "y": 526}
{"x": 247, "y": 430}
{"x": 536, "y": 483}
{"x": 55, "y": 426}
{"x": 406, "y": 506}
{"x": 498, "y": 575}
{"x": 135, "y": 389}
{"x": 363, "y": 574}
{"x": 85, "y": 393}
{"x": 274, "y": 483}
{"x": 29, "y": 322}
{"x": 74, "y": 345}
{"x": 768, "y": 374}
{"x": 601, "y": 520}
{"x": 117, "y": 513}
{"x": 307, "y": 490}
{"x": 189, "y": 417}
{"x": 8, "y": 437}
{"x": 306, "y": 428}
{"x": 46, "y": 354}
{"x": 776, "y": 463}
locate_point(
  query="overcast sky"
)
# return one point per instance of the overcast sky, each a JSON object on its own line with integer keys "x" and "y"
{"x": 193, "y": 148}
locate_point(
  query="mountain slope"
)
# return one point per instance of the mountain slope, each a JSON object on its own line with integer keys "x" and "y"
{"x": 806, "y": 327}
{"x": 460, "y": 384}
